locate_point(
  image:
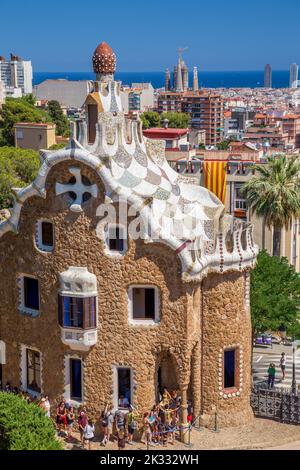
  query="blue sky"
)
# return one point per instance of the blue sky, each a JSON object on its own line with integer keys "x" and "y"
{"x": 61, "y": 35}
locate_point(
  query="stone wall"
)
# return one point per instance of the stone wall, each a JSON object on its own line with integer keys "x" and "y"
{"x": 226, "y": 324}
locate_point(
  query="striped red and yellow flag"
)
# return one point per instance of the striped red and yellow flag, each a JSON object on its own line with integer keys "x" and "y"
{"x": 215, "y": 178}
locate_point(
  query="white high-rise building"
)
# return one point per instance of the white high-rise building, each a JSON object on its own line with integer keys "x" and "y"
{"x": 16, "y": 73}
{"x": 294, "y": 76}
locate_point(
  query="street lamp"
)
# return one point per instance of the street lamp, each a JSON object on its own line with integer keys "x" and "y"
{"x": 294, "y": 383}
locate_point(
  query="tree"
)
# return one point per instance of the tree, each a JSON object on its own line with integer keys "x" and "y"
{"x": 274, "y": 194}
{"x": 177, "y": 120}
{"x": 58, "y": 117}
{"x": 275, "y": 294}
{"x": 25, "y": 426}
{"x": 223, "y": 145}
{"x": 18, "y": 168}
{"x": 150, "y": 119}
{"x": 18, "y": 110}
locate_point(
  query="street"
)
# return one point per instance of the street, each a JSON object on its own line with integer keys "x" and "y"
{"x": 263, "y": 356}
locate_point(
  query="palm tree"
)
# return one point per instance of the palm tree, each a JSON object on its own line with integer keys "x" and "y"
{"x": 274, "y": 194}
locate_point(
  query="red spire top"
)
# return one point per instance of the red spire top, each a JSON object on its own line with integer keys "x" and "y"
{"x": 104, "y": 59}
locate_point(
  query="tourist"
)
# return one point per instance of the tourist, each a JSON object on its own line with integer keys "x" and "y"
{"x": 172, "y": 428}
{"x": 61, "y": 417}
{"x": 147, "y": 431}
{"x": 131, "y": 425}
{"x": 89, "y": 433}
{"x": 82, "y": 423}
{"x": 70, "y": 422}
{"x": 166, "y": 397}
{"x": 160, "y": 436}
{"x": 283, "y": 365}
{"x": 120, "y": 421}
{"x": 121, "y": 440}
{"x": 271, "y": 376}
{"x": 107, "y": 421}
{"x": 47, "y": 406}
{"x": 42, "y": 405}
{"x": 123, "y": 402}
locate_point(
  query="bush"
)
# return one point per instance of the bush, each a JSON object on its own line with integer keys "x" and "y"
{"x": 25, "y": 426}
{"x": 18, "y": 168}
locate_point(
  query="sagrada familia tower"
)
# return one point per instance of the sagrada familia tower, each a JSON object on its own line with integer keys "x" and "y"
{"x": 119, "y": 277}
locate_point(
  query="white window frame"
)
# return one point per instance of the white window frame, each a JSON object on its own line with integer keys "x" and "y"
{"x": 67, "y": 380}
{"x": 22, "y": 308}
{"x": 39, "y": 237}
{"x": 2, "y": 352}
{"x": 23, "y": 369}
{"x": 123, "y": 230}
{"x": 115, "y": 397}
{"x": 144, "y": 322}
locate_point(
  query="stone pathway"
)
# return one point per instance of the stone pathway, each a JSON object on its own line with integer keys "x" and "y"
{"x": 260, "y": 434}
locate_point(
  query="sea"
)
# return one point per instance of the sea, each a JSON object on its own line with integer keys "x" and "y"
{"x": 227, "y": 79}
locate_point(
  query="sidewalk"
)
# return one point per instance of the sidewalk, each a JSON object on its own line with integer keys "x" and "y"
{"x": 260, "y": 434}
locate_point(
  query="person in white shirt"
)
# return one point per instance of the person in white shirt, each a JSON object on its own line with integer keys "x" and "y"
{"x": 89, "y": 433}
{"x": 123, "y": 402}
{"x": 47, "y": 406}
{"x": 282, "y": 365}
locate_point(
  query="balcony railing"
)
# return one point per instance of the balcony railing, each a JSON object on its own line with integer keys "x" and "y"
{"x": 78, "y": 339}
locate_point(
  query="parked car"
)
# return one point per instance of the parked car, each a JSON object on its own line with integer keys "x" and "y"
{"x": 264, "y": 339}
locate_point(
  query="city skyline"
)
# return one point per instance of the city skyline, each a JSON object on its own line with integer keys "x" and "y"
{"x": 218, "y": 45}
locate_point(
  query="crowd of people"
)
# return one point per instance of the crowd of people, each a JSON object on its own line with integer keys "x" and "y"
{"x": 159, "y": 426}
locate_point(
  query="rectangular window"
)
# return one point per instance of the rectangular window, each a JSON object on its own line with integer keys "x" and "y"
{"x": 77, "y": 312}
{"x": 143, "y": 303}
{"x": 20, "y": 135}
{"x": 229, "y": 368}
{"x": 75, "y": 379}
{"x": 31, "y": 293}
{"x": 124, "y": 387}
{"x": 33, "y": 370}
{"x": 116, "y": 239}
{"x": 47, "y": 234}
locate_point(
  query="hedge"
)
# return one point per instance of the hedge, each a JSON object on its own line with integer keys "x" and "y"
{"x": 25, "y": 426}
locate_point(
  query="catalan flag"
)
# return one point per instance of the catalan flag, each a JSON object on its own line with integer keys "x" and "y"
{"x": 215, "y": 178}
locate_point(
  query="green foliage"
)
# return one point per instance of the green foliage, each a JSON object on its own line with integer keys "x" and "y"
{"x": 57, "y": 146}
{"x": 25, "y": 426}
{"x": 274, "y": 193}
{"x": 30, "y": 99}
{"x": 201, "y": 147}
{"x": 150, "y": 119}
{"x": 176, "y": 120}
{"x": 18, "y": 168}
{"x": 223, "y": 145}
{"x": 18, "y": 110}
{"x": 58, "y": 117}
{"x": 275, "y": 294}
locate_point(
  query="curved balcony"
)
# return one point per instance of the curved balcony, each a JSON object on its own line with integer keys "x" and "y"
{"x": 78, "y": 339}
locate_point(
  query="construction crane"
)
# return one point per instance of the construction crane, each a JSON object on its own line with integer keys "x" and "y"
{"x": 180, "y": 51}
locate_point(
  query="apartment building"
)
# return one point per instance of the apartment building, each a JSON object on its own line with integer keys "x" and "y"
{"x": 206, "y": 110}
{"x": 137, "y": 98}
{"x": 16, "y": 73}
